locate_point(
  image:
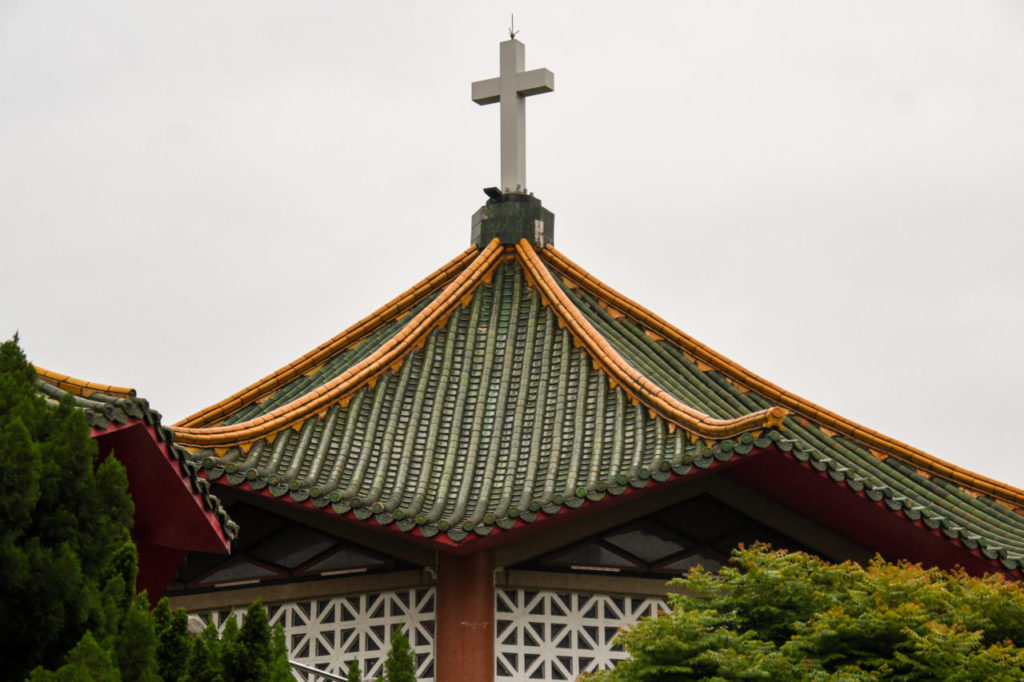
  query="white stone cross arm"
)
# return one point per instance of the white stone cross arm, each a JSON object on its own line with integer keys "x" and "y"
{"x": 510, "y": 89}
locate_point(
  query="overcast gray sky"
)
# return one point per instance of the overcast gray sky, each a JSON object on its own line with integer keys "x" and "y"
{"x": 830, "y": 193}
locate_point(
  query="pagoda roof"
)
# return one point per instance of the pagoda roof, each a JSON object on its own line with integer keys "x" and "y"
{"x": 111, "y": 413}
{"x": 510, "y": 386}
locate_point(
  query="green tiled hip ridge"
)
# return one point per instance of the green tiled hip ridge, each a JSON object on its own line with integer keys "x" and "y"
{"x": 712, "y": 393}
{"x": 646, "y": 365}
{"x": 498, "y": 456}
{"x": 677, "y": 375}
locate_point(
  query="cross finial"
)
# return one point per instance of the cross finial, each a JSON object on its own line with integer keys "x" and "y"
{"x": 511, "y": 88}
{"x": 512, "y": 29}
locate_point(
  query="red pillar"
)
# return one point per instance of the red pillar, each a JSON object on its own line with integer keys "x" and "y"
{"x": 464, "y": 640}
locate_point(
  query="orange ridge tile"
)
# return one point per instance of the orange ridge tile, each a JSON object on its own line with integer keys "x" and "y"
{"x": 630, "y": 379}
{"x": 356, "y": 376}
{"x": 80, "y": 387}
{"x": 394, "y": 309}
{"x": 1013, "y": 497}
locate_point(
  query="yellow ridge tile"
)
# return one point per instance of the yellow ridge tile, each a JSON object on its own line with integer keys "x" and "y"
{"x": 1009, "y": 495}
{"x": 356, "y": 376}
{"x": 321, "y": 353}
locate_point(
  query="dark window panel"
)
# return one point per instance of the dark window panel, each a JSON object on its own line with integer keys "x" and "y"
{"x": 253, "y": 525}
{"x": 594, "y": 554}
{"x": 647, "y": 541}
{"x": 705, "y": 518}
{"x": 710, "y": 560}
{"x": 293, "y": 546}
{"x": 757, "y": 533}
{"x": 198, "y": 563}
{"x": 239, "y": 569}
{"x": 344, "y": 559}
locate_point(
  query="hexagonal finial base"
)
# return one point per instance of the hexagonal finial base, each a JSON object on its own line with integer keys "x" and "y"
{"x": 513, "y": 216}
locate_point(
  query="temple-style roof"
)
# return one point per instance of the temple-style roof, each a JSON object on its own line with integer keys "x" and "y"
{"x": 113, "y": 410}
{"x": 510, "y": 386}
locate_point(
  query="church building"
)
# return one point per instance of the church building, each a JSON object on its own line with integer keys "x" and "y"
{"x": 510, "y": 459}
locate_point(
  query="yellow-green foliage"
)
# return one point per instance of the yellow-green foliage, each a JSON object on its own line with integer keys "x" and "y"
{"x": 790, "y": 616}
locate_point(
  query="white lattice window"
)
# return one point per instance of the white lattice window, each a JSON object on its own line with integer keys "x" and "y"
{"x": 328, "y": 633}
{"x": 560, "y": 635}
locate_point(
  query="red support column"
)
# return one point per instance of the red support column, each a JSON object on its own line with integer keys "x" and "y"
{"x": 464, "y": 639}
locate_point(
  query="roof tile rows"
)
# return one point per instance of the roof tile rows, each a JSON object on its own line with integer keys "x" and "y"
{"x": 514, "y": 384}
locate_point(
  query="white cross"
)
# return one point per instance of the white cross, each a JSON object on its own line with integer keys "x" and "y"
{"x": 511, "y": 88}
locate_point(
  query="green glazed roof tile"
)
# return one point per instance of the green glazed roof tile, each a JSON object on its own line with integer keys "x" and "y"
{"x": 499, "y": 413}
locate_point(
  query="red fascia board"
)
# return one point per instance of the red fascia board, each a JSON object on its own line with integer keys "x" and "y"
{"x": 776, "y": 475}
{"x": 796, "y": 485}
{"x": 167, "y": 512}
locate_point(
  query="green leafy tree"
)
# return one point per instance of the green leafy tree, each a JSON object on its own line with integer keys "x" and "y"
{"x": 400, "y": 664}
{"x": 790, "y": 616}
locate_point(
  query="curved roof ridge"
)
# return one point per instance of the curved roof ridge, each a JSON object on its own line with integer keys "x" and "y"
{"x": 631, "y": 380}
{"x": 353, "y": 378}
{"x": 913, "y": 456}
{"x": 81, "y": 387}
{"x": 389, "y": 311}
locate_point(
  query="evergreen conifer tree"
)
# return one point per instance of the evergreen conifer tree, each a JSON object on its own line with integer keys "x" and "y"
{"x": 175, "y": 642}
{"x": 65, "y": 546}
{"x": 278, "y": 667}
{"x": 253, "y": 652}
{"x": 244, "y": 655}
{"x": 353, "y": 674}
{"x": 400, "y": 665}
{"x": 135, "y": 646}
{"x": 68, "y": 565}
{"x": 87, "y": 662}
{"x": 204, "y": 661}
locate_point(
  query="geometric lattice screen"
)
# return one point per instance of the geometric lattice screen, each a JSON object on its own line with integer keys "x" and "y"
{"x": 560, "y": 635}
{"x": 328, "y": 633}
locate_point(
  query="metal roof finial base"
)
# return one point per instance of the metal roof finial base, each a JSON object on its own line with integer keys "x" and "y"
{"x": 511, "y": 216}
